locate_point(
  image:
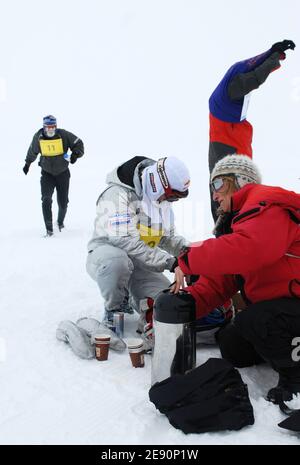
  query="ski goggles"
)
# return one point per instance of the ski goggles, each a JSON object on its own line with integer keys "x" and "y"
{"x": 220, "y": 184}
{"x": 171, "y": 195}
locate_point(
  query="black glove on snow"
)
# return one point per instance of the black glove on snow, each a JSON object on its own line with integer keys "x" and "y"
{"x": 281, "y": 47}
{"x": 26, "y": 168}
{"x": 73, "y": 158}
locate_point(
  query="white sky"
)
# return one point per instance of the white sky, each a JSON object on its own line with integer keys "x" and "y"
{"x": 134, "y": 77}
{"x": 130, "y": 77}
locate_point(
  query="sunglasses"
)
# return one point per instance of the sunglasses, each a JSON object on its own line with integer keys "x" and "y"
{"x": 49, "y": 126}
{"x": 219, "y": 184}
{"x": 176, "y": 195}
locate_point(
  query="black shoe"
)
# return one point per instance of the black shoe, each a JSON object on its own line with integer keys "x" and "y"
{"x": 279, "y": 394}
{"x": 49, "y": 233}
{"x": 60, "y": 226}
{"x": 288, "y": 384}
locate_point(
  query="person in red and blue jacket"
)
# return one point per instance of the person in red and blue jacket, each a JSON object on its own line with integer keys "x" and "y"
{"x": 260, "y": 255}
{"x": 230, "y": 132}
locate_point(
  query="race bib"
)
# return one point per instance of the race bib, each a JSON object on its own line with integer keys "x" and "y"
{"x": 245, "y": 106}
{"x": 150, "y": 236}
{"x": 51, "y": 148}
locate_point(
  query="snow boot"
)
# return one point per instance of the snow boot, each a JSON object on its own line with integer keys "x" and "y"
{"x": 145, "y": 323}
{"x": 60, "y": 226}
{"x": 288, "y": 385}
{"x": 125, "y": 307}
{"x": 146, "y": 314}
{"x": 49, "y": 233}
{"x": 207, "y": 326}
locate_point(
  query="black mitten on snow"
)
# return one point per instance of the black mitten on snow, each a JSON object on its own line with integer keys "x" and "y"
{"x": 73, "y": 158}
{"x": 26, "y": 168}
{"x": 281, "y": 47}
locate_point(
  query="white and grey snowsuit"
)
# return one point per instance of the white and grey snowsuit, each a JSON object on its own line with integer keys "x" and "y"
{"x": 129, "y": 251}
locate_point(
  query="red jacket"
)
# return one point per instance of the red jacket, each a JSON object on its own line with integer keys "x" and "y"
{"x": 263, "y": 248}
{"x": 237, "y": 135}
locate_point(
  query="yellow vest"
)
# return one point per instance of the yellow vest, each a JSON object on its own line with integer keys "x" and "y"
{"x": 150, "y": 236}
{"x": 51, "y": 148}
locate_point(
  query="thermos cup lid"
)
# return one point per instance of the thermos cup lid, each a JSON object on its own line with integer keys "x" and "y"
{"x": 174, "y": 308}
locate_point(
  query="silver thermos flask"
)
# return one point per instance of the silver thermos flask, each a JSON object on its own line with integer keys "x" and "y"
{"x": 174, "y": 335}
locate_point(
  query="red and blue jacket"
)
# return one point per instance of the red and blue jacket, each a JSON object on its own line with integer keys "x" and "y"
{"x": 221, "y": 106}
{"x": 229, "y": 102}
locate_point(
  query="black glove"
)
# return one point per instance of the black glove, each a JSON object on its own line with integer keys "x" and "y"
{"x": 26, "y": 168}
{"x": 281, "y": 47}
{"x": 190, "y": 279}
{"x": 223, "y": 224}
{"x": 73, "y": 158}
{"x": 175, "y": 264}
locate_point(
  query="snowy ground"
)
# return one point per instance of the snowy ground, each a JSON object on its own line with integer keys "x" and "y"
{"x": 131, "y": 78}
{"x": 49, "y": 396}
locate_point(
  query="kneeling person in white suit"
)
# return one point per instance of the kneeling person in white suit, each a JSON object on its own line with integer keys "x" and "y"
{"x": 134, "y": 238}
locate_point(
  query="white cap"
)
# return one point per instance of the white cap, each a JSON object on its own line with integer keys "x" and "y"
{"x": 178, "y": 177}
{"x": 245, "y": 171}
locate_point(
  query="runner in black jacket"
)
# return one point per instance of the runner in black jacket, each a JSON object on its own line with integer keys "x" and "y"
{"x": 53, "y": 144}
